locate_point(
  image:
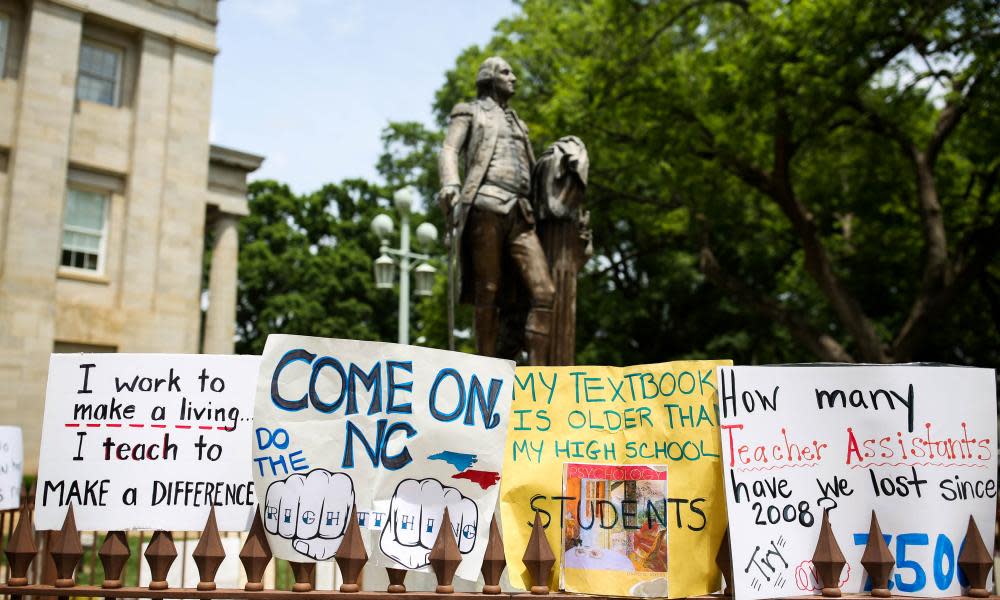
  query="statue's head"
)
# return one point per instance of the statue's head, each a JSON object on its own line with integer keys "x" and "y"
{"x": 495, "y": 78}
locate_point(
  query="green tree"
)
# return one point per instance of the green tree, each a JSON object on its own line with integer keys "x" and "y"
{"x": 772, "y": 180}
{"x": 305, "y": 265}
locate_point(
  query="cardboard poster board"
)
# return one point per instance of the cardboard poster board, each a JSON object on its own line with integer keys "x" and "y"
{"x": 402, "y": 432}
{"x": 11, "y": 466}
{"x": 659, "y": 414}
{"x": 915, "y": 444}
{"x": 147, "y": 441}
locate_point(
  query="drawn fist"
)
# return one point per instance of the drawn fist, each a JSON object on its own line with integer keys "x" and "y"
{"x": 311, "y": 510}
{"x": 415, "y": 515}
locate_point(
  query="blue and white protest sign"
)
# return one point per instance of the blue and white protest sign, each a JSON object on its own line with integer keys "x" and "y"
{"x": 11, "y": 466}
{"x": 401, "y": 432}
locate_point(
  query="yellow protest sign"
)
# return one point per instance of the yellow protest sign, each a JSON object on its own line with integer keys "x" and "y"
{"x": 659, "y": 415}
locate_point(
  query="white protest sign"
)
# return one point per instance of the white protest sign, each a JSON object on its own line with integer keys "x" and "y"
{"x": 147, "y": 441}
{"x": 915, "y": 444}
{"x": 11, "y": 466}
{"x": 402, "y": 432}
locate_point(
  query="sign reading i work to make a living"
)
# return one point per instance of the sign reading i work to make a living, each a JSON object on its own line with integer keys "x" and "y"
{"x": 915, "y": 444}
{"x": 147, "y": 441}
{"x": 400, "y": 432}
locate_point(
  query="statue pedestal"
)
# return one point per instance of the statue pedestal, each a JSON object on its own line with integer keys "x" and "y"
{"x": 561, "y": 241}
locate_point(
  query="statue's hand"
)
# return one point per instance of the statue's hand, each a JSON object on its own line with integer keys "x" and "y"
{"x": 448, "y": 198}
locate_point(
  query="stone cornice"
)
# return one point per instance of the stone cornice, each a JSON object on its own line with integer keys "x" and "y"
{"x": 85, "y": 7}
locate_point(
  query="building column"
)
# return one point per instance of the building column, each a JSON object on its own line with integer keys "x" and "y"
{"x": 220, "y": 319}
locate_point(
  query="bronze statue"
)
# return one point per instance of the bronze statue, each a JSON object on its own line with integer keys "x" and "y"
{"x": 498, "y": 251}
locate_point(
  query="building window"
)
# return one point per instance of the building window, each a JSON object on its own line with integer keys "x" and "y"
{"x": 4, "y": 37}
{"x": 84, "y": 230}
{"x": 100, "y": 74}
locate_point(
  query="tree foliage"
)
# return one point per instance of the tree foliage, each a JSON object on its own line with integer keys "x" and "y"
{"x": 773, "y": 180}
{"x": 305, "y": 265}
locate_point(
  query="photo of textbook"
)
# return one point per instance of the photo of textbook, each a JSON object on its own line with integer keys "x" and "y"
{"x": 614, "y": 530}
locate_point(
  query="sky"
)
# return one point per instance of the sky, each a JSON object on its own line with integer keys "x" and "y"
{"x": 309, "y": 84}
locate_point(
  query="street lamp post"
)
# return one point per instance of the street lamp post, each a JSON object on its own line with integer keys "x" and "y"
{"x": 385, "y": 264}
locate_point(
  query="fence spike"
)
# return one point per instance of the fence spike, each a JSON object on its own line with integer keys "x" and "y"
{"x": 255, "y": 554}
{"x": 114, "y": 555}
{"x": 160, "y": 554}
{"x": 303, "y": 572}
{"x": 878, "y": 560}
{"x": 724, "y": 560}
{"x": 351, "y": 555}
{"x": 397, "y": 579}
{"x": 208, "y": 554}
{"x": 66, "y": 550}
{"x": 975, "y": 561}
{"x": 828, "y": 559}
{"x": 21, "y": 550}
{"x": 538, "y": 558}
{"x": 494, "y": 560}
{"x": 445, "y": 557}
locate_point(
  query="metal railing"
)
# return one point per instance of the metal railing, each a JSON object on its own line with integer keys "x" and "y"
{"x": 67, "y": 568}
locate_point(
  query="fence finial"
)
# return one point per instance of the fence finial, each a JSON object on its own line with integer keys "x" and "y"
{"x": 975, "y": 561}
{"x": 66, "y": 550}
{"x": 160, "y": 554}
{"x": 351, "y": 555}
{"x": 878, "y": 560}
{"x": 397, "y": 580}
{"x": 538, "y": 558}
{"x": 114, "y": 554}
{"x": 303, "y": 572}
{"x": 445, "y": 556}
{"x": 209, "y": 553}
{"x": 724, "y": 560}
{"x": 494, "y": 560}
{"x": 21, "y": 549}
{"x": 828, "y": 559}
{"x": 255, "y": 554}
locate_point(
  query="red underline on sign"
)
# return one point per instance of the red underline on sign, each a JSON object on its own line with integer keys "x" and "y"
{"x": 774, "y": 467}
{"x": 154, "y": 425}
{"x": 918, "y": 464}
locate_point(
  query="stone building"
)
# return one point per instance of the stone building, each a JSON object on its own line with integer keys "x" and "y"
{"x": 109, "y": 189}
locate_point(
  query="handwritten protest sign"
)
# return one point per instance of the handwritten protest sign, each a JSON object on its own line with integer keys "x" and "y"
{"x": 661, "y": 414}
{"x": 400, "y": 431}
{"x": 147, "y": 441}
{"x": 11, "y": 466}
{"x": 915, "y": 444}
